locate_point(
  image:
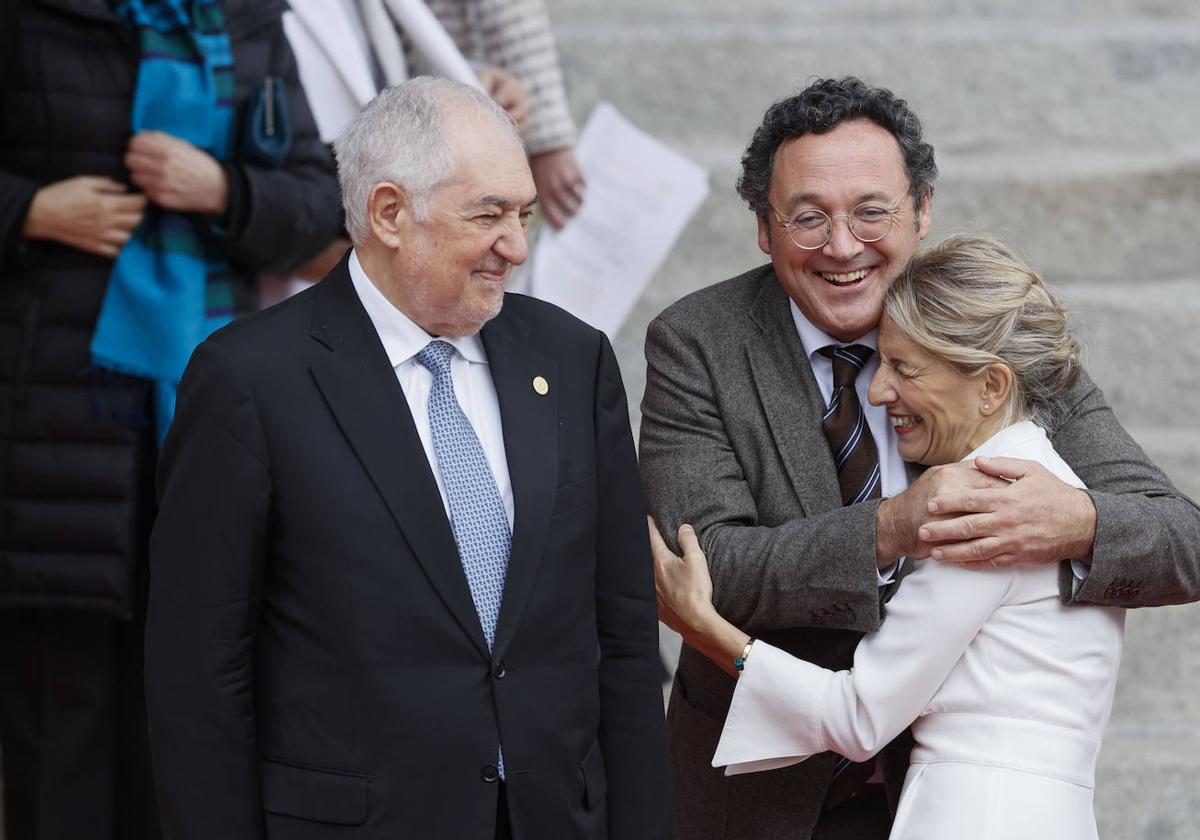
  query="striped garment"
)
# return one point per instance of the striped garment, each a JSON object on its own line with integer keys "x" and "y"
{"x": 514, "y": 35}
{"x": 169, "y": 288}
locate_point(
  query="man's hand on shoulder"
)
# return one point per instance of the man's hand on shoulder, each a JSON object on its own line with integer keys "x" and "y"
{"x": 1027, "y": 516}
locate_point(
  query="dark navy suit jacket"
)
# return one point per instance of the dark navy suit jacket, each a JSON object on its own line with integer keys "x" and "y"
{"x": 315, "y": 665}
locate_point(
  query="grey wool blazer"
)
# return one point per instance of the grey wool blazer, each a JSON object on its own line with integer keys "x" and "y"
{"x": 731, "y": 442}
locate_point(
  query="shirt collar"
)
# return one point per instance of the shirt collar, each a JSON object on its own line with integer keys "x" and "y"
{"x": 402, "y": 338}
{"x": 814, "y": 338}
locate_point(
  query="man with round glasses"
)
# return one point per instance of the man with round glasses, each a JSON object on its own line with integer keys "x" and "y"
{"x": 756, "y": 430}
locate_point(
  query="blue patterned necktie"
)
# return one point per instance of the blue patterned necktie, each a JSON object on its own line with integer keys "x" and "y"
{"x": 477, "y": 515}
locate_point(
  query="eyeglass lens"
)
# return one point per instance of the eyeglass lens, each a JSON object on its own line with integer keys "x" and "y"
{"x": 813, "y": 228}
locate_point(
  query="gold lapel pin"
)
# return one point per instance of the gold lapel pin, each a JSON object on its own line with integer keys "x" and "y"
{"x": 541, "y": 385}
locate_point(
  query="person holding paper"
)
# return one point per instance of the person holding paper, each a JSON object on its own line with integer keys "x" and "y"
{"x": 739, "y": 439}
{"x": 516, "y": 36}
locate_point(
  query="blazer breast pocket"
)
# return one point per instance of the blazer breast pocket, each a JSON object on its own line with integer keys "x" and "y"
{"x": 328, "y": 796}
{"x": 576, "y": 495}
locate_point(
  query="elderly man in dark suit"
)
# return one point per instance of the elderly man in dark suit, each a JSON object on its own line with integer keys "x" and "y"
{"x": 400, "y": 578}
{"x": 756, "y": 429}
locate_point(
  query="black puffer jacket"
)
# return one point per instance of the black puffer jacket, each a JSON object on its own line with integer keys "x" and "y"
{"x": 73, "y": 459}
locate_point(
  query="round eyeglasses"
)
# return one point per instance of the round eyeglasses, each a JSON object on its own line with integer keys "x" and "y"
{"x": 811, "y": 229}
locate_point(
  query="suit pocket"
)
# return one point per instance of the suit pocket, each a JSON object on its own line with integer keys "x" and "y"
{"x": 575, "y": 495}
{"x": 595, "y": 779}
{"x": 328, "y": 796}
{"x": 695, "y": 699}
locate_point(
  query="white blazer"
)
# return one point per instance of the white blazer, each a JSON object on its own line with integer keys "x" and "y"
{"x": 1009, "y": 689}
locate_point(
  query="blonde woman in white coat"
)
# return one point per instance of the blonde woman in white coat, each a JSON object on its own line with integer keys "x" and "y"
{"x": 1007, "y": 690}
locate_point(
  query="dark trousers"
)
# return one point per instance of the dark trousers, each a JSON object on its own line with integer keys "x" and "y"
{"x": 503, "y": 824}
{"x": 73, "y": 728}
{"x": 865, "y": 817}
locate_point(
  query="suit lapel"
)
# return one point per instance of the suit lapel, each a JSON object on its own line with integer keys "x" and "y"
{"x": 361, "y": 390}
{"x": 791, "y": 400}
{"x": 530, "y": 422}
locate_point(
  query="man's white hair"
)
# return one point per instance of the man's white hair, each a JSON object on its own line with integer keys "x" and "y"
{"x": 398, "y": 137}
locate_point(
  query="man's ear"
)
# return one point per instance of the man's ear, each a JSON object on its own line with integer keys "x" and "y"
{"x": 925, "y": 214}
{"x": 389, "y": 213}
{"x": 764, "y": 236}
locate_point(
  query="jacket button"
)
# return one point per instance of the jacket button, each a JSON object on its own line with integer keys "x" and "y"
{"x": 489, "y": 773}
{"x": 498, "y": 672}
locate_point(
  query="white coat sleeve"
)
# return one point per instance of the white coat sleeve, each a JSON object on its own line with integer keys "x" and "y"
{"x": 785, "y": 709}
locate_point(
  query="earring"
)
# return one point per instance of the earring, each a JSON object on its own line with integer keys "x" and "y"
{"x": 987, "y": 406}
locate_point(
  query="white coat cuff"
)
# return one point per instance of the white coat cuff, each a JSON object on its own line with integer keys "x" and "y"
{"x": 774, "y": 717}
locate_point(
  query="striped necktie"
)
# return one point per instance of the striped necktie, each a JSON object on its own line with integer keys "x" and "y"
{"x": 846, "y": 428}
{"x": 857, "y": 462}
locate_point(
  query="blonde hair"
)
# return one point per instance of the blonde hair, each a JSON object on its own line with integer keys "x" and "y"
{"x": 972, "y": 302}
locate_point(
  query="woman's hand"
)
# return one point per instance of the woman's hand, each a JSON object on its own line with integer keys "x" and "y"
{"x": 176, "y": 175}
{"x": 559, "y": 184}
{"x": 90, "y": 213}
{"x": 683, "y": 585}
{"x": 684, "y": 590}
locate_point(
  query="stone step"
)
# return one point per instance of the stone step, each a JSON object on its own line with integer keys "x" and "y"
{"x": 1033, "y": 13}
{"x": 1142, "y": 346}
{"x": 1177, "y": 451}
{"x": 1152, "y": 690}
{"x": 1146, "y": 786}
{"x": 1116, "y": 87}
{"x": 1082, "y": 224}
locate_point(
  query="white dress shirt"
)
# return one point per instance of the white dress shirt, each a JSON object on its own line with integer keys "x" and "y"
{"x": 402, "y": 340}
{"x": 893, "y": 475}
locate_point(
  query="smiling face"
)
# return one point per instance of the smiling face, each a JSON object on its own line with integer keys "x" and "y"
{"x": 449, "y": 271}
{"x": 940, "y": 414}
{"x": 840, "y": 287}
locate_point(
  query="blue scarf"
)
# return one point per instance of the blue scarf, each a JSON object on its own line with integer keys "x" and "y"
{"x": 169, "y": 289}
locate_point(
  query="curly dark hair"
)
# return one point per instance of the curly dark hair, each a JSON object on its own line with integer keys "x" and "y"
{"x": 818, "y": 109}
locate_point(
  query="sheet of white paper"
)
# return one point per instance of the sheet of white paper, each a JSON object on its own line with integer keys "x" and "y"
{"x": 430, "y": 38}
{"x": 640, "y": 196}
